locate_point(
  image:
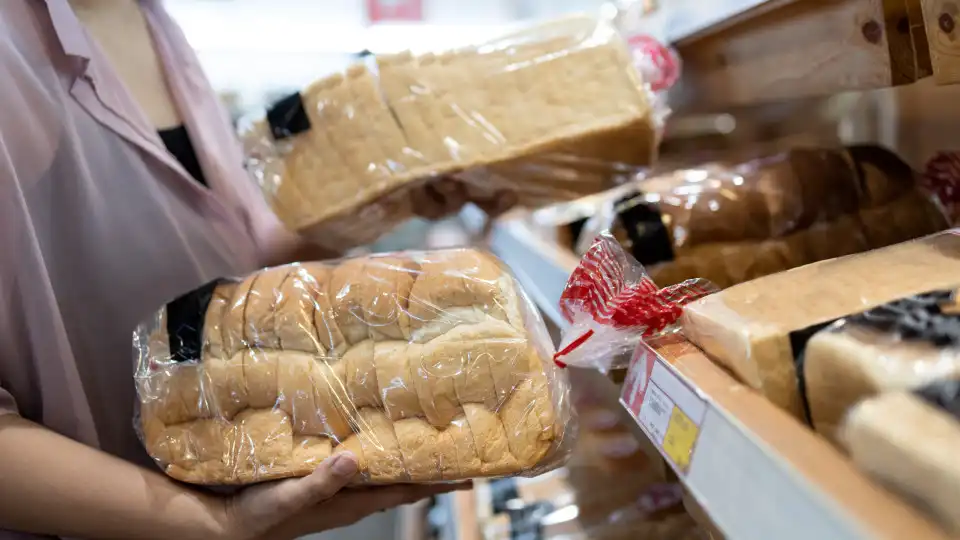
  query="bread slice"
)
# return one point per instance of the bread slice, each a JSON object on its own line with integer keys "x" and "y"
{"x": 852, "y": 362}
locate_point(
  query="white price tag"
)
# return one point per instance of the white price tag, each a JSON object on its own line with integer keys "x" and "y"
{"x": 668, "y": 410}
{"x": 655, "y": 413}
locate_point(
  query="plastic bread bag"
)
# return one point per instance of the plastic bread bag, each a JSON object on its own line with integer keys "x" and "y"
{"x": 898, "y": 346}
{"x": 611, "y": 303}
{"x": 568, "y": 171}
{"x": 428, "y": 366}
{"x": 908, "y": 440}
{"x": 730, "y": 223}
{"x": 760, "y": 330}
{"x": 353, "y": 143}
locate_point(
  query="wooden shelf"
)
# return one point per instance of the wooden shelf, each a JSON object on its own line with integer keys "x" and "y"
{"x": 942, "y": 18}
{"x": 778, "y": 49}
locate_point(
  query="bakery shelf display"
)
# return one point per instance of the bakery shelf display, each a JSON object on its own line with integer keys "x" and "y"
{"x": 756, "y": 470}
{"x": 428, "y": 366}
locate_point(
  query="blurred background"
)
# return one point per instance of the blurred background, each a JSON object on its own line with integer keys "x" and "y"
{"x": 254, "y": 50}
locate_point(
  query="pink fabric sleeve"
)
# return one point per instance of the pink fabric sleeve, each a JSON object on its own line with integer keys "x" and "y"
{"x": 29, "y": 132}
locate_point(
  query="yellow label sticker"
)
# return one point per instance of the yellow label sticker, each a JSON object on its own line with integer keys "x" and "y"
{"x": 679, "y": 439}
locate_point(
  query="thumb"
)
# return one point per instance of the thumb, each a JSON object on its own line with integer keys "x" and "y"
{"x": 271, "y": 504}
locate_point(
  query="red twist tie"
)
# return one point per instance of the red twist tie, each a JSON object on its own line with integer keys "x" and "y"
{"x": 615, "y": 291}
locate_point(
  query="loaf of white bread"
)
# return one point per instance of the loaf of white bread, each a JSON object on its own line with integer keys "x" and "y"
{"x": 759, "y": 329}
{"x": 427, "y": 366}
{"x": 909, "y": 441}
{"x": 563, "y": 84}
{"x": 899, "y": 346}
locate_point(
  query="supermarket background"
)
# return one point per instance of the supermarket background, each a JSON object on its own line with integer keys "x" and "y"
{"x": 256, "y": 51}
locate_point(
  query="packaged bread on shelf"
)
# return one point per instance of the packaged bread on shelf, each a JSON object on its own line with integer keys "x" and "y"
{"x": 427, "y": 366}
{"x": 352, "y": 144}
{"x": 759, "y": 329}
{"x": 908, "y": 441}
{"x": 901, "y": 345}
{"x": 734, "y": 223}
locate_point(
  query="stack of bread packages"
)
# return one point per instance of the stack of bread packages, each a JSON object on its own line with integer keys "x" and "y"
{"x": 428, "y": 366}
{"x": 775, "y": 333}
{"x": 734, "y": 223}
{"x": 339, "y": 160}
{"x": 866, "y": 348}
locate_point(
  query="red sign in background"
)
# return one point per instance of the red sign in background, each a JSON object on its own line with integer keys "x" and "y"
{"x": 394, "y": 10}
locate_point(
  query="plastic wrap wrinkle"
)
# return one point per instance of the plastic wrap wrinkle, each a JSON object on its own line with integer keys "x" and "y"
{"x": 373, "y": 136}
{"x": 428, "y": 366}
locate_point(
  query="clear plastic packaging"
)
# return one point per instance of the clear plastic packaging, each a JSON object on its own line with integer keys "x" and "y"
{"x": 353, "y": 144}
{"x": 733, "y": 223}
{"x": 580, "y": 168}
{"x": 908, "y": 441}
{"x": 428, "y": 366}
{"x": 760, "y": 329}
{"x": 902, "y": 345}
{"x": 611, "y": 304}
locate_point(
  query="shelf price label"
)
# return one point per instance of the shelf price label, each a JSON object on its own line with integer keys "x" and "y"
{"x": 680, "y": 438}
{"x": 667, "y": 409}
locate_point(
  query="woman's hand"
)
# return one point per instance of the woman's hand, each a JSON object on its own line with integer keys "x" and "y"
{"x": 293, "y": 508}
{"x": 447, "y": 196}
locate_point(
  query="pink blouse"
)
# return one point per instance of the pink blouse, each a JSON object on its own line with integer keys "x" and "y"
{"x": 99, "y": 224}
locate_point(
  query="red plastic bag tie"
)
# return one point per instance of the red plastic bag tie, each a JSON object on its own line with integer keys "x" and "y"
{"x": 570, "y": 348}
{"x": 600, "y": 287}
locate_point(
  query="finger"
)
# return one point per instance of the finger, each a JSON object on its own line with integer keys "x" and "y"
{"x": 291, "y": 496}
{"x": 425, "y": 203}
{"x": 499, "y": 203}
{"x": 446, "y": 187}
{"x": 439, "y": 198}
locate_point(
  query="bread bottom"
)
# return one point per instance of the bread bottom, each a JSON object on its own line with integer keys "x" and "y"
{"x": 522, "y": 437}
